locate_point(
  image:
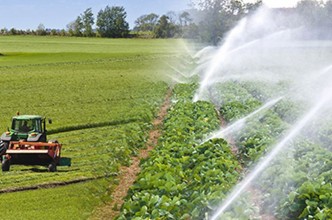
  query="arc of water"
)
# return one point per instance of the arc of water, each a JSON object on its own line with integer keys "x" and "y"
{"x": 178, "y": 71}
{"x": 226, "y": 50}
{"x": 265, "y": 162}
{"x": 176, "y": 79}
{"x": 311, "y": 80}
{"x": 239, "y": 123}
{"x": 221, "y": 54}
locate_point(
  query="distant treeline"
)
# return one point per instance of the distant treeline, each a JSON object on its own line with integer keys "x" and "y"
{"x": 206, "y": 21}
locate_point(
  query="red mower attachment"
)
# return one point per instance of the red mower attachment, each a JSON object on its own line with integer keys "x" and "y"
{"x": 32, "y": 153}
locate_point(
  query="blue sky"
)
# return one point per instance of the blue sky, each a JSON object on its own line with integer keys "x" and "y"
{"x": 23, "y": 14}
{"x": 28, "y": 14}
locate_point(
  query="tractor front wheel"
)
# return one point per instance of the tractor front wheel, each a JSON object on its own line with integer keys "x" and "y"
{"x": 5, "y": 165}
{"x": 52, "y": 167}
{"x": 3, "y": 147}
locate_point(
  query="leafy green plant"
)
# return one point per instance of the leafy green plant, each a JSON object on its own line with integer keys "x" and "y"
{"x": 183, "y": 179}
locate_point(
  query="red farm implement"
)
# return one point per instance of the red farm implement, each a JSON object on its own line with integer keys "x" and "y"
{"x": 32, "y": 153}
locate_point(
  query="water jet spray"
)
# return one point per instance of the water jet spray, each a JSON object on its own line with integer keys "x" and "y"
{"x": 294, "y": 131}
{"x": 241, "y": 122}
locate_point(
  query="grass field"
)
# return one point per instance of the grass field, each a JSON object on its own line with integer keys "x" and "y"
{"x": 102, "y": 95}
{"x": 56, "y": 77}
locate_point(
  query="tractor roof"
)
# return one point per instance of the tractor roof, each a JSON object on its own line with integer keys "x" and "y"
{"x": 27, "y": 117}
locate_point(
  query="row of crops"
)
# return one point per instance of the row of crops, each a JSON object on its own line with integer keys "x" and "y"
{"x": 297, "y": 183}
{"x": 184, "y": 179}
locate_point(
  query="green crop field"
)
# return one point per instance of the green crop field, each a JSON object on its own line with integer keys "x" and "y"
{"x": 102, "y": 95}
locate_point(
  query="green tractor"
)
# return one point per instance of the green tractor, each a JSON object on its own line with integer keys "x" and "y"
{"x": 26, "y": 143}
{"x": 26, "y": 127}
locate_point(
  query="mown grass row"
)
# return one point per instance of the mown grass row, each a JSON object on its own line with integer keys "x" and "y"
{"x": 75, "y": 201}
{"x": 85, "y": 91}
{"x": 79, "y": 95}
{"x": 96, "y": 152}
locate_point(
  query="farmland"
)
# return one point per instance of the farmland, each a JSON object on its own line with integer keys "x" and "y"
{"x": 188, "y": 176}
{"x": 102, "y": 96}
{"x": 184, "y": 172}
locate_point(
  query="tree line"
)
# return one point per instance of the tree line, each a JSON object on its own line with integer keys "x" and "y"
{"x": 207, "y": 21}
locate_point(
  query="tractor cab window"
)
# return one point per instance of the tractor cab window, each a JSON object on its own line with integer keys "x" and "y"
{"x": 37, "y": 125}
{"x": 16, "y": 125}
{"x": 24, "y": 125}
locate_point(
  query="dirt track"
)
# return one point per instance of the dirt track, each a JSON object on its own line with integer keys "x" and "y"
{"x": 129, "y": 174}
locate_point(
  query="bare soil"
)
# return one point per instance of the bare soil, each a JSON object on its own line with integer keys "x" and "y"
{"x": 129, "y": 174}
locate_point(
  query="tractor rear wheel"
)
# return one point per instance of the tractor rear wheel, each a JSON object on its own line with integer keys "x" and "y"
{"x": 52, "y": 167}
{"x": 5, "y": 165}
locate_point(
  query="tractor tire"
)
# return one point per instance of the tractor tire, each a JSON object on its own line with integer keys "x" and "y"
{"x": 5, "y": 165}
{"x": 3, "y": 147}
{"x": 52, "y": 167}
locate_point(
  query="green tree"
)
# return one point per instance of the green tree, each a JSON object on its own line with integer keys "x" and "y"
{"x": 53, "y": 32}
{"x": 111, "y": 22}
{"x": 146, "y": 22}
{"x": 311, "y": 12}
{"x": 188, "y": 28}
{"x": 172, "y": 17}
{"x": 75, "y": 28}
{"x": 164, "y": 28}
{"x": 82, "y": 26}
{"x": 4, "y": 31}
{"x": 71, "y": 28}
{"x": 217, "y": 17}
{"x": 191, "y": 31}
{"x": 78, "y": 27}
{"x": 12, "y": 31}
{"x": 185, "y": 19}
{"x": 41, "y": 30}
{"x": 62, "y": 33}
{"x": 328, "y": 13}
{"x": 87, "y": 22}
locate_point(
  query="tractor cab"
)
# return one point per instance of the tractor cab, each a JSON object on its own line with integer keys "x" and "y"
{"x": 26, "y": 127}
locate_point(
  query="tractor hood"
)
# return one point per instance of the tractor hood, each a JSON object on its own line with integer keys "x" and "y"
{"x": 13, "y": 135}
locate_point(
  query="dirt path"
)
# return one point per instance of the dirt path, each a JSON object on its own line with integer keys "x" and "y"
{"x": 129, "y": 174}
{"x": 230, "y": 140}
